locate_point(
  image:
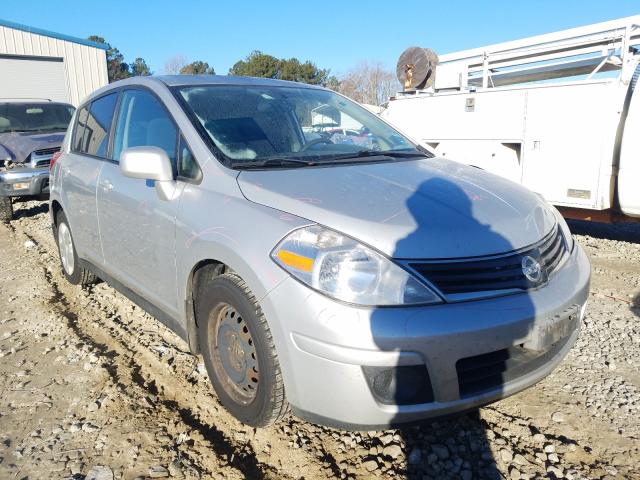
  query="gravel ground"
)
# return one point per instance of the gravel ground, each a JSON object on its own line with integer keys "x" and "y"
{"x": 92, "y": 387}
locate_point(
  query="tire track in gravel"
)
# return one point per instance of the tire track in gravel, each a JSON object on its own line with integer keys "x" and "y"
{"x": 115, "y": 355}
{"x": 133, "y": 362}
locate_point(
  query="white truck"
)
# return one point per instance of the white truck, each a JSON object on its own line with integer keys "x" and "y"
{"x": 558, "y": 113}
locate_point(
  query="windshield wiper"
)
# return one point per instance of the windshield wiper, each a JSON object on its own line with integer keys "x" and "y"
{"x": 277, "y": 162}
{"x": 401, "y": 154}
{"x": 298, "y": 162}
{"x": 364, "y": 154}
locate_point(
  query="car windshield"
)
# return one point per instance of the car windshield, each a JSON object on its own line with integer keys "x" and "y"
{"x": 292, "y": 126}
{"x": 34, "y": 117}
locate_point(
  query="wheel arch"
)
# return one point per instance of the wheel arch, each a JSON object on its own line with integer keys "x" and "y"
{"x": 56, "y": 207}
{"x": 195, "y": 279}
{"x": 260, "y": 275}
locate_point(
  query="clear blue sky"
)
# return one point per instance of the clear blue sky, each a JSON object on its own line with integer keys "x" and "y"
{"x": 333, "y": 34}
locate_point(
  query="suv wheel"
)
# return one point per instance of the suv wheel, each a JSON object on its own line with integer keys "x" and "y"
{"x": 71, "y": 268}
{"x": 6, "y": 209}
{"x": 239, "y": 352}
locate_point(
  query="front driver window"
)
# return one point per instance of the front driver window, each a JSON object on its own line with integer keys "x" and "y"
{"x": 143, "y": 122}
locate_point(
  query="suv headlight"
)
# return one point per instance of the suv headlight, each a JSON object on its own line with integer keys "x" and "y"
{"x": 346, "y": 270}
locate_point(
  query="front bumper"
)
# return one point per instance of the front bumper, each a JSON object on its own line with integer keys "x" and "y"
{"x": 20, "y": 181}
{"x": 323, "y": 346}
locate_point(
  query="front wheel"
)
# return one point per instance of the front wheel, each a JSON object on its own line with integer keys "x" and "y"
{"x": 6, "y": 209}
{"x": 239, "y": 352}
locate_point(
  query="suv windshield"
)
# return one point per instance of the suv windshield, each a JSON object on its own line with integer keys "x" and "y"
{"x": 34, "y": 117}
{"x": 273, "y": 125}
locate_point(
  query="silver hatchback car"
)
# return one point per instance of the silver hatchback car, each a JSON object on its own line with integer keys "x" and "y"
{"x": 319, "y": 259}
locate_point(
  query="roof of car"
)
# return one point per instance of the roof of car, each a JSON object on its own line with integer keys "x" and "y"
{"x": 192, "y": 80}
{"x": 174, "y": 80}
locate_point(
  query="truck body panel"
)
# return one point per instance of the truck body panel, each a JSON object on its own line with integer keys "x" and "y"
{"x": 556, "y": 113}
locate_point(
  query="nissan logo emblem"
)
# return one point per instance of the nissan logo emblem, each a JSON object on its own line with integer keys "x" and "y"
{"x": 531, "y": 269}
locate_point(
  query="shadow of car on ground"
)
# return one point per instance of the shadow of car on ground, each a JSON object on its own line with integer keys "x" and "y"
{"x": 626, "y": 232}
{"x": 19, "y": 211}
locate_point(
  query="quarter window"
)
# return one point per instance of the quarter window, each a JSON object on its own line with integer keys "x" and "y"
{"x": 143, "y": 122}
{"x": 187, "y": 165}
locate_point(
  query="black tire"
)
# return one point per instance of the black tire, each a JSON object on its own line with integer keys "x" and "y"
{"x": 6, "y": 209}
{"x": 76, "y": 274}
{"x": 258, "y": 397}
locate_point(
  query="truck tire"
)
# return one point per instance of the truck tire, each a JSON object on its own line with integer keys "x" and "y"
{"x": 6, "y": 209}
{"x": 239, "y": 352}
{"x": 72, "y": 269}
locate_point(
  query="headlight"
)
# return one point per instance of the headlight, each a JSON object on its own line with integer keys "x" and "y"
{"x": 346, "y": 270}
{"x": 564, "y": 228}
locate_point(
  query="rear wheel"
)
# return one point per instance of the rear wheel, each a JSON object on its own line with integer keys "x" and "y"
{"x": 6, "y": 209}
{"x": 71, "y": 268}
{"x": 239, "y": 352}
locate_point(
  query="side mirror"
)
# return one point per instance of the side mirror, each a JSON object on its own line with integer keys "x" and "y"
{"x": 150, "y": 163}
{"x": 147, "y": 163}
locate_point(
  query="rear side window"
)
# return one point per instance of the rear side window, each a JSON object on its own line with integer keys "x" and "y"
{"x": 77, "y": 144}
{"x": 94, "y": 124}
{"x": 96, "y": 131}
{"x": 143, "y": 122}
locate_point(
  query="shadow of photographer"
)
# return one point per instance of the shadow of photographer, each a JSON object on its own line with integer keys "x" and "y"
{"x": 457, "y": 446}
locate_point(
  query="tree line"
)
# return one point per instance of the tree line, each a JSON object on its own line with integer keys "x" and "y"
{"x": 366, "y": 82}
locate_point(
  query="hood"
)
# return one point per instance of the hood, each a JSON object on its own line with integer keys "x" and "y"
{"x": 19, "y": 145}
{"x": 420, "y": 209}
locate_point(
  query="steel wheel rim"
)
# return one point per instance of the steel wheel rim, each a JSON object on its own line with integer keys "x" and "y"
{"x": 65, "y": 245}
{"x": 234, "y": 355}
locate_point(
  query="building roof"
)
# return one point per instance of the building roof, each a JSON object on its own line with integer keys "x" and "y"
{"x": 47, "y": 33}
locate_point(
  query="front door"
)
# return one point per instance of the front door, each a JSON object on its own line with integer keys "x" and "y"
{"x": 137, "y": 227}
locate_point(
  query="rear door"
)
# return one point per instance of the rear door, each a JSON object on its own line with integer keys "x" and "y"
{"x": 80, "y": 171}
{"x": 137, "y": 227}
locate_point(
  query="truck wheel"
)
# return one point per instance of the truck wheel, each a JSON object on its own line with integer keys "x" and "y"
{"x": 6, "y": 209}
{"x": 71, "y": 268}
{"x": 239, "y": 352}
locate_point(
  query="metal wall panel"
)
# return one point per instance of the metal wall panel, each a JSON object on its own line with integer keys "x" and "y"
{"x": 85, "y": 66}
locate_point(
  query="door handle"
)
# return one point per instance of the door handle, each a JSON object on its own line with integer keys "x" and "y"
{"x": 106, "y": 185}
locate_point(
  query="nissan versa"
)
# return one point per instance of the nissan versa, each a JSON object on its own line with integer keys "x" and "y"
{"x": 318, "y": 259}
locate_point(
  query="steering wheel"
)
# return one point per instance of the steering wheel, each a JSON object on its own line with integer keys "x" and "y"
{"x": 315, "y": 141}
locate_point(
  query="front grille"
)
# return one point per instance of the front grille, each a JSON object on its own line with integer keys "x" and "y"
{"x": 492, "y": 370}
{"x": 501, "y": 273}
{"x": 42, "y": 158}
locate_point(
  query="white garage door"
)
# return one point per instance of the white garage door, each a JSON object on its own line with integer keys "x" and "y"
{"x": 33, "y": 77}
